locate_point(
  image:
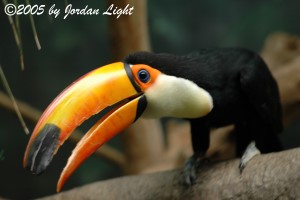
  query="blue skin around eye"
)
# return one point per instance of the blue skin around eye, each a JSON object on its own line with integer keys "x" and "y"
{"x": 144, "y": 75}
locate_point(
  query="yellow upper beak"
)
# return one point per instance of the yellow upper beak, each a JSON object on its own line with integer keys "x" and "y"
{"x": 112, "y": 89}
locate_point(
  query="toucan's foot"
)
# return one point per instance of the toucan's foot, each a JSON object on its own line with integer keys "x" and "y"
{"x": 191, "y": 165}
{"x": 249, "y": 153}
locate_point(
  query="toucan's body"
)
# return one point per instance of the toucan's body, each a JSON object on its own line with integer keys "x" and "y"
{"x": 212, "y": 88}
{"x": 243, "y": 90}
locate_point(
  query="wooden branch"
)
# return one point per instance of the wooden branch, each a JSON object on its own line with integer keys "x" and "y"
{"x": 281, "y": 51}
{"x": 280, "y": 48}
{"x": 288, "y": 78}
{"x": 33, "y": 114}
{"x": 129, "y": 34}
{"x": 269, "y": 176}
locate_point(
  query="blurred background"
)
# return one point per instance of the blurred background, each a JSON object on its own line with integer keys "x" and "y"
{"x": 78, "y": 44}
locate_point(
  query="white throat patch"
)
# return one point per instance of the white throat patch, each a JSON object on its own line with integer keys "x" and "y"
{"x": 171, "y": 96}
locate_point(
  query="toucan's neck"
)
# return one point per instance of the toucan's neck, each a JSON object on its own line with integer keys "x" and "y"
{"x": 171, "y": 96}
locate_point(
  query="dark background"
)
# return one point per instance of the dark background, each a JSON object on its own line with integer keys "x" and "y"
{"x": 78, "y": 44}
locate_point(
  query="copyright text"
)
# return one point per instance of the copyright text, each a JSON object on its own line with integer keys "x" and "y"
{"x": 22, "y": 9}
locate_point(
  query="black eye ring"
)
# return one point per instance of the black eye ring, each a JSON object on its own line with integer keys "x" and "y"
{"x": 144, "y": 75}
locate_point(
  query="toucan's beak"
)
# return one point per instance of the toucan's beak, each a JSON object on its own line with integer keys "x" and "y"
{"x": 115, "y": 91}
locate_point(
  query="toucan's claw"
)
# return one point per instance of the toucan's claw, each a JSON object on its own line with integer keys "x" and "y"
{"x": 197, "y": 160}
{"x": 249, "y": 153}
{"x": 190, "y": 171}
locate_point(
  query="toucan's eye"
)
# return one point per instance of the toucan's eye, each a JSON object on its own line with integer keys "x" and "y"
{"x": 144, "y": 75}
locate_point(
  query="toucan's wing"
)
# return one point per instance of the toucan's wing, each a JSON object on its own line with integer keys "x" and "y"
{"x": 260, "y": 88}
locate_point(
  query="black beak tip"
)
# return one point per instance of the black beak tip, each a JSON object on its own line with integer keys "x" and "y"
{"x": 35, "y": 169}
{"x": 43, "y": 149}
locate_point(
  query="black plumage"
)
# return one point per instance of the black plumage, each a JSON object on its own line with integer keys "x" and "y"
{"x": 244, "y": 93}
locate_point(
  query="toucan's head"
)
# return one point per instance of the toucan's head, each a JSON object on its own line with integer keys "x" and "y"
{"x": 121, "y": 92}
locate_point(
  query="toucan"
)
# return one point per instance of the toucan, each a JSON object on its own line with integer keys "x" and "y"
{"x": 211, "y": 88}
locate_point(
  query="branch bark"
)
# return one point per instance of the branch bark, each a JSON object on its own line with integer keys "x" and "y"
{"x": 281, "y": 52}
{"x": 269, "y": 176}
{"x": 129, "y": 34}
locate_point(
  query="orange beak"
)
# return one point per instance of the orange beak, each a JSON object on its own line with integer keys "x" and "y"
{"x": 114, "y": 91}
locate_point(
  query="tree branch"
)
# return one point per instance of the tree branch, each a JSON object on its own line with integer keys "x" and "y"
{"x": 129, "y": 34}
{"x": 269, "y": 176}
